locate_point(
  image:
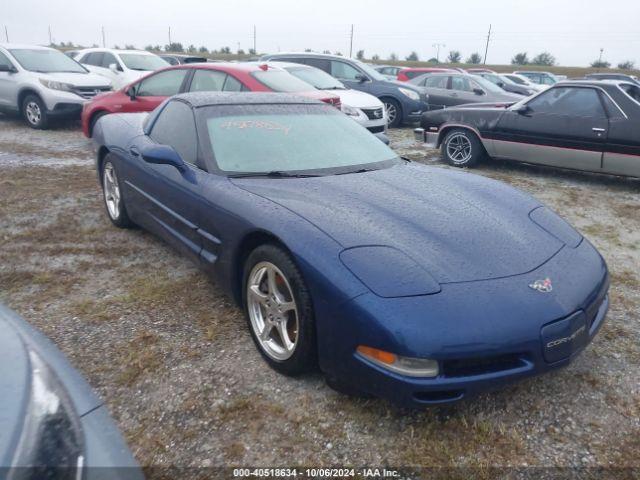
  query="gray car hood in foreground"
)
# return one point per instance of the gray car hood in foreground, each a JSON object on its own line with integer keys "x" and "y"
{"x": 458, "y": 226}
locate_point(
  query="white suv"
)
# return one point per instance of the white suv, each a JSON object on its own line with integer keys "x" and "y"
{"x": 42, "y": 83}
{"x": 120, "y": 66}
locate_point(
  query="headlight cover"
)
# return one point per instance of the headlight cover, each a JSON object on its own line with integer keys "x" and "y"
{"x": 51, "y": 437}
{"x": 411, "y": 367}
{"x": 54, "y": 85}
{"x": 556, "y": 226}
{"x": 388, "y": 272}
{"x": 351, "y": 111}
{"x": 413, "y": 95}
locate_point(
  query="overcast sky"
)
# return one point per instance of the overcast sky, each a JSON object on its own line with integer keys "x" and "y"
{"x": 572, "y": 30}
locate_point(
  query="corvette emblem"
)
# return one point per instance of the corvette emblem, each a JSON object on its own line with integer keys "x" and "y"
{"x": 543, "y": 286}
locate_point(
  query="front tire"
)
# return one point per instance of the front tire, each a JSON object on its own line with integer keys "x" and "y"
{"x": 34, "y": 112}
{"x": 462, "y": 148}
{"x": 112, "y": 194}
{"x": 394, "y": 112}
{"x": 278, "y": 309}
{"x": 94, "y": 120}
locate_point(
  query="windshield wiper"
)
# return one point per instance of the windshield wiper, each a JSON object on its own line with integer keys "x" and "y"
{"x": 273, "y": 174}
{"x": 361, "y": 170}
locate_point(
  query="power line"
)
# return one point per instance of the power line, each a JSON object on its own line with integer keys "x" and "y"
{"x": 486, "y": 50}
{"x": 351, "y": 44}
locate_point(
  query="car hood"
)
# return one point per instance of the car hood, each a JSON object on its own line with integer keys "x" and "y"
{"x": 458, "y": 226}
{"x": 78, "y": 79}
{"x": 357, "y": 99}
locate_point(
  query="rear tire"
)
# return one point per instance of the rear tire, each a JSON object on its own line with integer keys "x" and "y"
{"x": 112, "y": 194}
{"x": 462, "y": 148}
{"x": 34, "y": 112}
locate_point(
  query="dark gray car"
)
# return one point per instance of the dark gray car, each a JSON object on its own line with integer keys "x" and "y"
{"x": 451, "y": 89}
{"x": 52, "y": 424}
{"x": 403, "y": 102}
{"x": 507, "y": 84}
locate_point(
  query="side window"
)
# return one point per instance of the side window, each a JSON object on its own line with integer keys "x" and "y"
{"x": 583, "y": 102}
{"x": 5, "y": 61}
{"x": 108, "y": 59}
{"x": 232, "y": 85}
{"x": 412, "y": 74}
{"x": 631, "y": 90}
{"x": 321, "y": 63}
{"x": 94, "y": 58}
{"x": 612, "y": 109}
{"x": 343, "y": 71}
{"x": 207, "y": 81}
{"x": 171, "y": 60}
{"x": 163, "y": 84}
{"x": 461, "y": 84}
{"x": 176, "y": 127}
{"x": 437, "y": 82}
{"x": 547, "y": 80}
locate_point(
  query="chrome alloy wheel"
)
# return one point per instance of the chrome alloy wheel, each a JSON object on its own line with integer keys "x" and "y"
{"x": 34, "y": 115}
{"x": 272, "y": 311}
{"x": 459, "y": 148}
{"x": 392, "y": 112}
{"x": 111, "y": 190}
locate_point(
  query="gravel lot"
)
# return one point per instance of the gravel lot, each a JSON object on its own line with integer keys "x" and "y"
{"x": 174, "y": 362}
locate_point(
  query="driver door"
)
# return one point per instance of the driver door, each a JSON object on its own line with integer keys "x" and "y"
{"x": 151, "y": 91}
{"x": 563, "y": 127}
{"x": 166, "y": 200}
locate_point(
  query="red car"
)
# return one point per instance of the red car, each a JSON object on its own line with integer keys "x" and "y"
{"x": 407, "y": 74}
{"x": 150, "y": 91}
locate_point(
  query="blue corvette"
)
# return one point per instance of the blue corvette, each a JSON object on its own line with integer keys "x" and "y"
{"x": 413, "y": 283}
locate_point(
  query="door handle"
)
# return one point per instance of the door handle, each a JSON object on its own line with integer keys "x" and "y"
{"x": 134, "y": 151}
{"x": 598, "y": 130}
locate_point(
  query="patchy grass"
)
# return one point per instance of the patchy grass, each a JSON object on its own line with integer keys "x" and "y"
{"x": 140, "y": 356}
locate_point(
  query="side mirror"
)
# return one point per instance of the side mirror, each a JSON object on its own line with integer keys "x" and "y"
{"x": 163, "y": 155}
{"x": 524, "y": 110}
{"x": 361, "y": 78}
{"x": 501, "y": 84}
{"x": 478, "y": 91}
{"x": 114, "y": 68}
{"x": 7, "y": 68}
{"x": 131, "y": 92}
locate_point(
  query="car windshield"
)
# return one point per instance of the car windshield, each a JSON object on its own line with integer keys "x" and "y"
{"x": 143, "y": 62}
{"x": 46, "y": 61}
{"x": 487, "y": 85}
{"x": 316, "y": 78}
{"x": 281, "y": 81}
{"x": 370, "y": 71}
{"x": 316, "y": 139}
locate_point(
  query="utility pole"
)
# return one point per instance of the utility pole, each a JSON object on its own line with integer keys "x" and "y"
{"x": 238, "y": 51}
{"x": 486, "y": 50}
{"x": 50, "y": 38}
{"x": 437, "y": 47}
{"x": 6, "y": 33}
{"x": 600, "y": 58}
{"x": 254, "y": 41}
{"x": 169, "y": 36}
{"x": 104, "y": 42}
{"x": 351, "y": 45}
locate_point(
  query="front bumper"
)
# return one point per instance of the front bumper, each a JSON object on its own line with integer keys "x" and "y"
{"x": 426, "y": 138}
{"x": 483, "y": 334}
{"x": 413, "y": 109}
